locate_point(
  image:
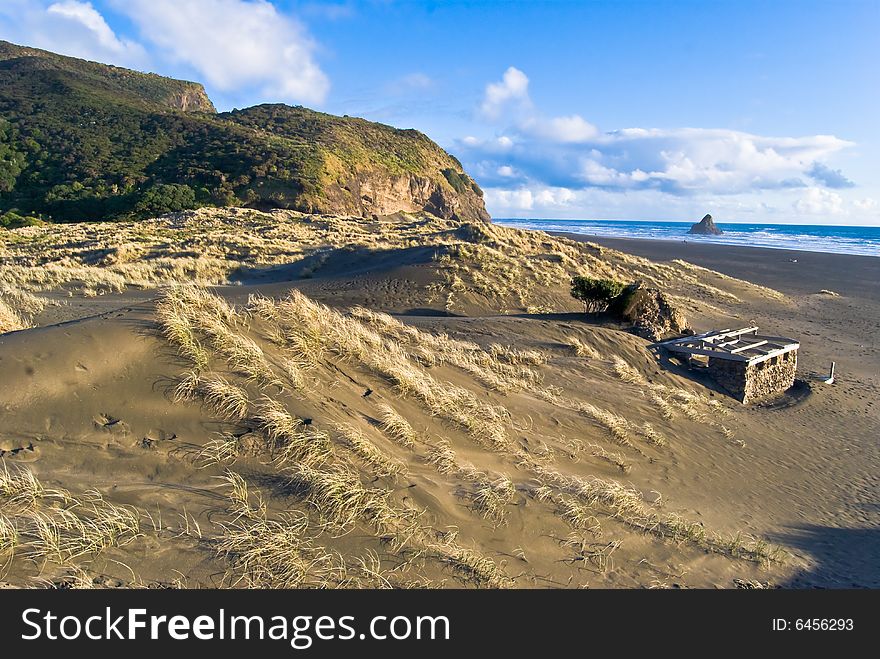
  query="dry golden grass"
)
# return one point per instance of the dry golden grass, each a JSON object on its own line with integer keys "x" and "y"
{"x": 617, "y": 426}
{"x": 43, "y": 524}
{"x": 397, "y": 427}
{"x": 271, "y": 553}
{"x": 291, "y": 440}
{"x": 339, "y": 498}
{"x": 627, "y": 373}
{"x": 380, "y": 464}
{"x": 442, "y": 456}
{"x": 626, "y": 505}
{"x": 582, "y": 349}
{"x": 10, "y": 321}
{"x": 610, "y": 457}
{"x": 491, "y": 497}
{"x": 221, "y": 396}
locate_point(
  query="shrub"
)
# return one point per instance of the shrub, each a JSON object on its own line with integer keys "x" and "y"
{"x": 165, "y": 198}
{"x": 596, "y": 294}
{"x": 11, "y": 220}
{"x": 459, "y": 182}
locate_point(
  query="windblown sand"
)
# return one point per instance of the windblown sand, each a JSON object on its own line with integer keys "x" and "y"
{"x": 482, "y": 434}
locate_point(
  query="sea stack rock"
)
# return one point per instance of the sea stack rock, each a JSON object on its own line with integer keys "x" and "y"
{"x": 705, "y": 227}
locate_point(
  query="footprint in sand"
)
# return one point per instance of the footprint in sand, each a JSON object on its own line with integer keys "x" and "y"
{"x": 111, "y": 424}
{"x": 20, "y": 452}
{"x": 155, "y": 437}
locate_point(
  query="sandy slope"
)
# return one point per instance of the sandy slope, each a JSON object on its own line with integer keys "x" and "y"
{"x": 88, "y": 404}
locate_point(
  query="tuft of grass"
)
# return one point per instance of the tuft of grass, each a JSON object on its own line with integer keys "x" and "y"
{"x": 380, "y": 464}
{"x": 272, "y": 553}
{"x": 492, "y": 496}
{"x": 582, "y": 349}
{"x": 10, "y": 321}
{"x": 442, "y": 456}
{"x": 224, "y": 398}
{"x": 396, "y": 427}
{"x": 616, "y": 425}
{"x": 472, "y": 566}
{"x": 627, "y": 373}
{"x": 611, "y": 457}
{"x": 340, "y": 499}
{"x": 652, "y": 436}
{"x": 290, "y": 438}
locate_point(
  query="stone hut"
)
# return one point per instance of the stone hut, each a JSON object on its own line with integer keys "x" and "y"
{"x": 748, "y": 365}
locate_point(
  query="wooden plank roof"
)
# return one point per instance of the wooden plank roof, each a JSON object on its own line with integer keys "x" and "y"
{"x": 742, "y": 345}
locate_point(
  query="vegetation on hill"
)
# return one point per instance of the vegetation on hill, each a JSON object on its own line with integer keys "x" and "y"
{"x": 86, "y": 141}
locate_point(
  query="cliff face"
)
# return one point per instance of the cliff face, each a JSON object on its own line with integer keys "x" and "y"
{"x": 192, "y": 98}
{"x": 97, "y": 142}
{"x": 369, "y": 194}
{"x": 351, "y": 166}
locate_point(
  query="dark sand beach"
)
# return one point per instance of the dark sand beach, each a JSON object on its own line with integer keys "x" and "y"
{"x": 832, "y": 505}
{"x": 790, "y": 271}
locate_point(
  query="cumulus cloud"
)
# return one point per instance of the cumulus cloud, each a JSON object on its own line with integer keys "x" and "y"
{"x": 532, "y": 157}
{"x": 236, "y": 46}
{"x": 511, "y": 90}
{"x": 678, "y": 161}
{"x": 69, "y": 27}
{"x": 566, "y": 130}
{"x": 818, "y": 201}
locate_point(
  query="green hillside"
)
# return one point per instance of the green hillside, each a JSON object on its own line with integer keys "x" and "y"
{"x": 87, "y": 141}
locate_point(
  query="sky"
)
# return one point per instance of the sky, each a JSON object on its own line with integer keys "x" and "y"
{"x": 751, "y": 111}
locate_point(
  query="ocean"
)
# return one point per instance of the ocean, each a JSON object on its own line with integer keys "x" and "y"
{"x": 811, "y": 238}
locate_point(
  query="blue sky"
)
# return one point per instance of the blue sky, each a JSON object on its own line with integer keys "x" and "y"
{"x": 753, "y": 111}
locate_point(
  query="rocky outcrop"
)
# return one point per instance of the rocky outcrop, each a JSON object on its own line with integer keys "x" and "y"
{"x": 192, "y": 98}
{"x": 652, "y": 315}
{"x": 705, "y": 227}
{"x": 377, "y": 193}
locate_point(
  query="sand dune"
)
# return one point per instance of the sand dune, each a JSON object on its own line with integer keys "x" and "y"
{"x": 448, "y": 420}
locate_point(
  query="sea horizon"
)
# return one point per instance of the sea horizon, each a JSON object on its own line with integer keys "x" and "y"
{"x": 834, "y": 239}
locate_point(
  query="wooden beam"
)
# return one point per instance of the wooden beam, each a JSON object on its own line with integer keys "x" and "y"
{"x": 720, "y": 354}
{"x": 773, "y": 353}
{"x": 731, "y": 333}
{"x": 748, "y": 346}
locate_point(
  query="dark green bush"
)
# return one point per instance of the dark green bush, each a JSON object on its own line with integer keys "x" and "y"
{"x": 11, "y": 220}
{"x": 165, "y": 198}
{"x": 459, "y": 182}
{"x": 596, "y": 294}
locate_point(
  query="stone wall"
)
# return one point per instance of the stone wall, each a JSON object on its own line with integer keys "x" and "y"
{"x": 748, "y": 383}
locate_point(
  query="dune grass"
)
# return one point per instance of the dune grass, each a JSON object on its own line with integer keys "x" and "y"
{"x": 380, "y": 464}
{"x": 397, "y": 427}
{"x": 51, "y": 525}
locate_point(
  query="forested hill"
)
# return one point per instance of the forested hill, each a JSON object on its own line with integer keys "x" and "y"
{"x": 86, "y": 141}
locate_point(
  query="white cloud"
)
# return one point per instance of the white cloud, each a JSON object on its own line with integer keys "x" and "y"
{"x": 503, "y": 201}
{"x": 567, "y": 130}
{"x": 237, "y": 46}
{"x": 531, "y": 153}
{"x": 68, "y": 27}
{"x": 509, "y": 200}
{"x": 513, "y": 89}
{"x": 817, "y": 201}
{"x": 866, "y": 204}
{"x": 87, "y": 16}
